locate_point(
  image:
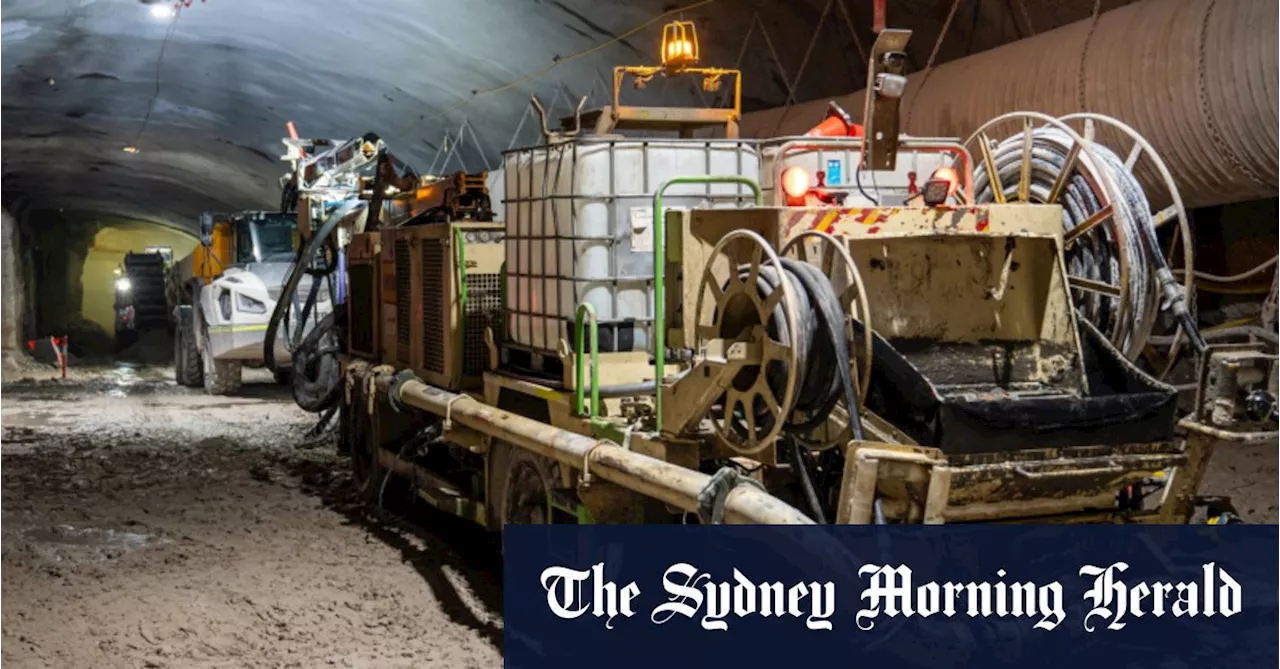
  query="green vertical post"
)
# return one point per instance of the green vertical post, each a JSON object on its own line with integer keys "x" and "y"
{"x": 579, "y": 353}
{"x": 659, "y": 272}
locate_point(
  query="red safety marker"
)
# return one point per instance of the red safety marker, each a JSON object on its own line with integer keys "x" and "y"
{"x": 59, "y": 345}
{"x": 877, "y": 21}
{"x": 293, "y": 134}
{"x": 60, "y": 350}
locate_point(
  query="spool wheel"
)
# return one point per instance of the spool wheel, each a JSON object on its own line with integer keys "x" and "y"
{"x": 1143, "y": 157}
{"x": 754, "y": 302}
{"x": 1101, "y": 293}
{"x": 821, "y": 250}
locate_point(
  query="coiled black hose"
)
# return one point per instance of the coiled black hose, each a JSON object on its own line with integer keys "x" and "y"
{"x": 820, "y": 338}
{"x": 317, "y": 376}
{"x": 1098, "y": 258}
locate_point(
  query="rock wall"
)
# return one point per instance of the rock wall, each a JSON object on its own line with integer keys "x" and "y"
{"x": 12, "y": 285}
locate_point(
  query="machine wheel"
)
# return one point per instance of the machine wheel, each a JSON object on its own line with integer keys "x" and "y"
{"x": 221, "y": 377}
{"x": 369, "y": 476}
{"x": 125, "y": 338}
{"x": 317, "y": 374}
{"x": 187, "y": 369}
{"x": 526, "y": 491}
{"x": 366, "y": 472}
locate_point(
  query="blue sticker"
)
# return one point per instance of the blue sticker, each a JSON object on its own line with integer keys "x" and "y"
{"x": 833, "y": 172}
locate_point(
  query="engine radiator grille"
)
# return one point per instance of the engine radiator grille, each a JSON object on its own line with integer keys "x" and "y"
{"x": 433, "y": 313}
{"x": 403, "y": 311}
{"x": 484, "y": 309}
{"x": 362, "y": 287}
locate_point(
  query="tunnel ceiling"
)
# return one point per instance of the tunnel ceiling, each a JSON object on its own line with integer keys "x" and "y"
{"x": 205, "y": 96}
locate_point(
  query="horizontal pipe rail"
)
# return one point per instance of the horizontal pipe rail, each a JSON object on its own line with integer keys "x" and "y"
{"x": 675, "y": 485}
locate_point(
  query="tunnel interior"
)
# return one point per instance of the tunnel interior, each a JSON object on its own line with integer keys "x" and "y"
{"x": 126, "y": 119}
{"x": 175, "y": 500}
{"x": 64, "y": 270}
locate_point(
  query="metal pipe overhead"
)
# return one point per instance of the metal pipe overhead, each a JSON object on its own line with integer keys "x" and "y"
{"x": 1197, "y": 78}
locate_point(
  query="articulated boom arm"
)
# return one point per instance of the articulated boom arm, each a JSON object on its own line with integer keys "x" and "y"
{"x": 329, "y": 165}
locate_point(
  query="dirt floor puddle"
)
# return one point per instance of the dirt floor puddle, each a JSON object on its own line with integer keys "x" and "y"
{"x": 30, "y": 418}
{"x": 64, "y": 542}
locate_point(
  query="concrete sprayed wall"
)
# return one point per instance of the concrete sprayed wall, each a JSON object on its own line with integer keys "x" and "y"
{"x": 12, "y": 291}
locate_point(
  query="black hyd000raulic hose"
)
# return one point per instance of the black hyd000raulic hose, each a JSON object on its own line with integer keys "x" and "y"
{"x": 819, "y": 337}
{"x": 290, "y": 287}
{"x": 317, "y": 375}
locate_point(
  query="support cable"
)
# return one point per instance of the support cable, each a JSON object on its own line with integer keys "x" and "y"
{"x": 928, "y": 66}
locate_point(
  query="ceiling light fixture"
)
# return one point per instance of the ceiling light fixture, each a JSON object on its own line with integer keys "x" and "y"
{"x": 162, "y": 10}
{"x": 131, "y": 149}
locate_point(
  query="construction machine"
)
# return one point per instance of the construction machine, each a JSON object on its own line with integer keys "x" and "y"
{"x": 221, "y": 296}
{"x": 140, "y": 303}
{"x": 665, "y": 329}
{"x": 337, "y": 189}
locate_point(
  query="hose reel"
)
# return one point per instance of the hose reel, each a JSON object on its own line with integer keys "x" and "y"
{"x": 792, "y": 324}
{"x": 756, "y": 303}
{"x": 815, "y": 245}
{"x": 1118, "y": 273}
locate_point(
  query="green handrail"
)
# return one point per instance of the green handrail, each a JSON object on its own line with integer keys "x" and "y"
{"x": 579, "y": 353}
{"x": 659, "y": 267}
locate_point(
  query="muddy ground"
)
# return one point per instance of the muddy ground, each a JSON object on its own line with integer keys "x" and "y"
{"x": 147, "y": 525}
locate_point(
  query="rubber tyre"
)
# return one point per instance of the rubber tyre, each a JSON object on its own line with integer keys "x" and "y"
{"x": 221, "y": 377}
{"x": 125, "y": 338}
{"x": 282, "y": 376}
{"x": 187, "y": 367}
{"x": 527, "y": 488}
{"x": 371, "y": 480}
{"x": 366, "y": 472}
{"x": 317, "y": 380}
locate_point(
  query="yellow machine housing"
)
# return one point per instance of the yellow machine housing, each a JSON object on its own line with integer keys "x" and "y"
{"x": 979, "y": 296}
{"x": 364, "y": 296}
{"x": 211, "y": 256}
{"x": 438, "y": 288}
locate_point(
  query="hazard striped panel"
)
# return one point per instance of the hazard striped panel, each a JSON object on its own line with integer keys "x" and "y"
{"x": 873, "y": 219}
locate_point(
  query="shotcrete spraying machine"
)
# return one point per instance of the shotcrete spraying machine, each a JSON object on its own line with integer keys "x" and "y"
{"x": 755, "y": 331}
{"x": 334, "y": 189}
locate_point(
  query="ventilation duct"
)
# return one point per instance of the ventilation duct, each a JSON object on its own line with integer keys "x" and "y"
{"x": 1197, "y": 78}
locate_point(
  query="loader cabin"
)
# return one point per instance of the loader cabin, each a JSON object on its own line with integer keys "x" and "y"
{"x": 240, "y": 239}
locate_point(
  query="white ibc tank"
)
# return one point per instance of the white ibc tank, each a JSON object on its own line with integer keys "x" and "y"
{"x": 579, "y": 218}
{"x": 495, "y": 182}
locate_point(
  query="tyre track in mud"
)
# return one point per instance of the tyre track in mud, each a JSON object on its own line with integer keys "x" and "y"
{"x": 146, "y": 525}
